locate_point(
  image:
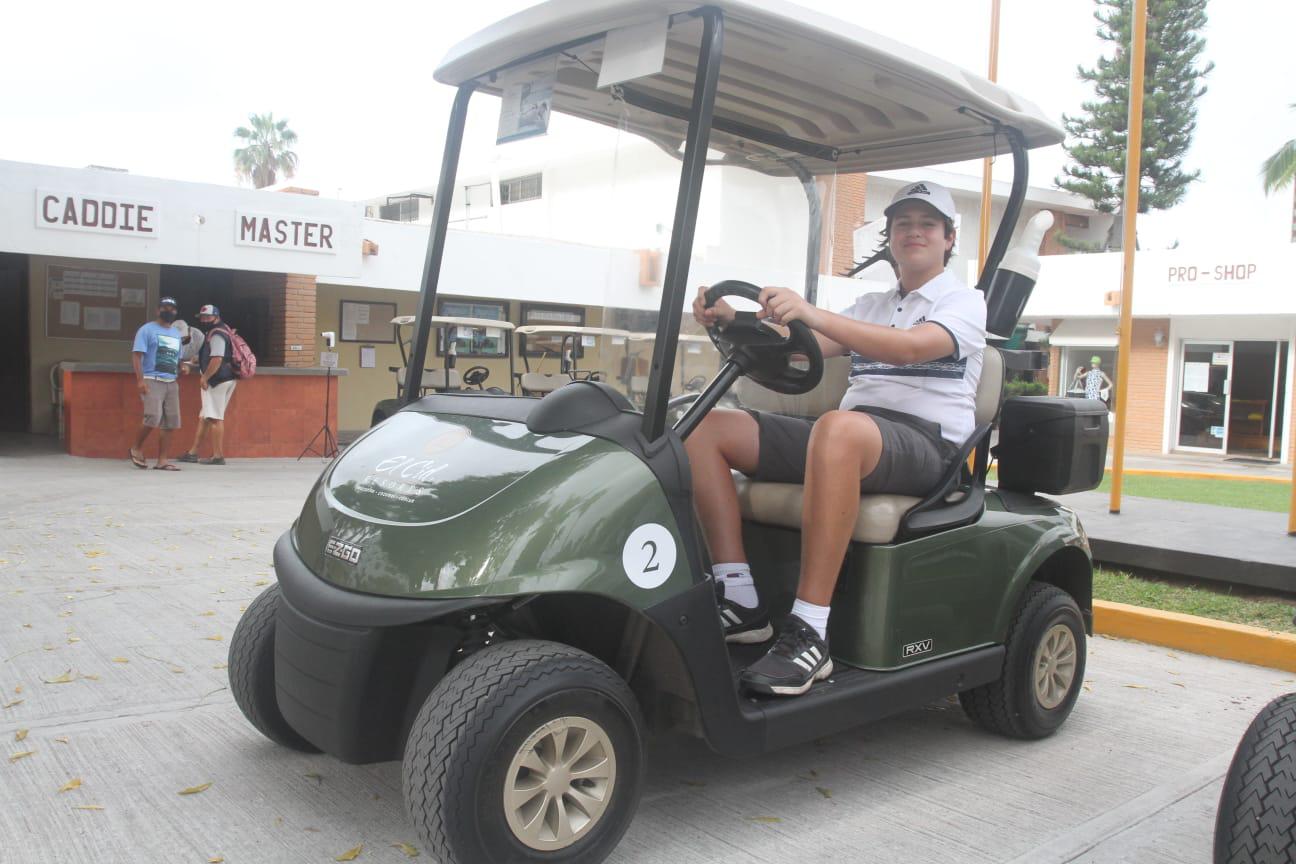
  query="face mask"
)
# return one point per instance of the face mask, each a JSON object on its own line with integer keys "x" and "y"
{"x": 167, "y": 315}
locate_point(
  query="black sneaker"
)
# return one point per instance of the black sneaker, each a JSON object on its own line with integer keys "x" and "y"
{"x": 742, "y": 625}
{"x": 796, "y": 660}
{"x": 187, "y": 457}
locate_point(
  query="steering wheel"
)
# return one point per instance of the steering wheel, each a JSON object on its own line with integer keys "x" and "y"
{"x": 761, "y": 352}
{"x": 475, "y": 376}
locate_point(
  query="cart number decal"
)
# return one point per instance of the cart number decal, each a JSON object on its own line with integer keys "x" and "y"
{"x": 649, "y": 555}
{"x": 913, "y": 649}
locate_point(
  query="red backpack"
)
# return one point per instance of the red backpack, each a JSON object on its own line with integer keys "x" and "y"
{"x": 242, "y": 360}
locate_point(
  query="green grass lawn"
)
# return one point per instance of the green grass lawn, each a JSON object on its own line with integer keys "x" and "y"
{"x": 1246, "y": 494}
{"x": 1193, "y": 600}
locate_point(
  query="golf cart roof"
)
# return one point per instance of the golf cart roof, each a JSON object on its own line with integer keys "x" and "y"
{"x": 564, "y": 330}
{"x": 872, "y": 103}
{"x": 683, "y": 337}
{"x": 447, "y": 321}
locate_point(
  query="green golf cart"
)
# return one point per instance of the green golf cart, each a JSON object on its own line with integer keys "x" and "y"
{"x": 508, "y": 592}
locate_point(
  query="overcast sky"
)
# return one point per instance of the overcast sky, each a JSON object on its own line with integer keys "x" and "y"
{"x": 158, "y": 88}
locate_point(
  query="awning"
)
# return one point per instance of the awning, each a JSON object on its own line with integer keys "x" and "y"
{"x": 1087, "y": 332}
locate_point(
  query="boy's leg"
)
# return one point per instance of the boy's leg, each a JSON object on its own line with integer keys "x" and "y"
{"x": 724, "y": 440}
{"x": 845, "y": 447}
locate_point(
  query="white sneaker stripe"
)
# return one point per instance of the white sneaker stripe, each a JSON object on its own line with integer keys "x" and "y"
{"x": 815, "y": 651}
{"x": 730, "y": 616}
{"x": 802, "y": 663}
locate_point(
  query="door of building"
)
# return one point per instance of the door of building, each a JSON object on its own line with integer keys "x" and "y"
{"x": 15, "y": 345}
{"x": 1257, "y": 399}
{"x": 1205, "y": 373}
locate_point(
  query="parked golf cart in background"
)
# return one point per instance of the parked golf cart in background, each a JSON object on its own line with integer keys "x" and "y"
{"x": 507, "y": 592}
{"x": 439, "y": 380}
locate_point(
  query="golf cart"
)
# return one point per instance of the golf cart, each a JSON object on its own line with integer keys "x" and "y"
{"x": 509, "y": 592}
{"x": 440, "y": 380}
{"x": 570, "y": 341}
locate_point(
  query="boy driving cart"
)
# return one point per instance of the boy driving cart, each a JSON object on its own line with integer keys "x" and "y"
{"x": 916, "y": 354}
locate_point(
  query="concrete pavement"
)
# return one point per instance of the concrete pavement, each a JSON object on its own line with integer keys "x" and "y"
{"x": 121, "y": 588}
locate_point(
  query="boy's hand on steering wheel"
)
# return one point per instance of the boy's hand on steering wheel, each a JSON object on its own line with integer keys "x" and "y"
{"x": 783, "y": 305}
{"x": 721, "y": 313}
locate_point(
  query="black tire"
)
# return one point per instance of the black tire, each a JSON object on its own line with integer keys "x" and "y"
{"x": 251, "y": 672}
{"x": 477, "y": 718}
{"x": 1256, "y": 823}
{"x": 1010, "y": 706}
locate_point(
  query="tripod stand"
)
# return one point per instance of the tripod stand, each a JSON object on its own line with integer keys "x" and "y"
{"x": 329, "y": 444}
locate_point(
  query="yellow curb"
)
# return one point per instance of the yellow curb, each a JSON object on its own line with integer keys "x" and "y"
{"x": 1198, "y": 635}
{"x": 1204, "y": 475}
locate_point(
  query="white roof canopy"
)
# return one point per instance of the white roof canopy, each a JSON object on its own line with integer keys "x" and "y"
{"x": 875, "y": 103}
{"x": 1086, "y": 332}
{"x": 445, "y": 321}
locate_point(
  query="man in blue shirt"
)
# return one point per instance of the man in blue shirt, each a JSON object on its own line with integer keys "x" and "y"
{"x": 156, "y": 357}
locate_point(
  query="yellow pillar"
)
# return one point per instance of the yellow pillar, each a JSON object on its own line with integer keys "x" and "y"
{"x": 1133, "y": 150}
{"x": 983, "y": 243}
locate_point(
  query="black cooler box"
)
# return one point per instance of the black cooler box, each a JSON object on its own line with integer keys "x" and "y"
{"x": 1051, "y": 444}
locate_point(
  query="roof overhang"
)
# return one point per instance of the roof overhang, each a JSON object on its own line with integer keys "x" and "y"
{"x": 873, "y": 103}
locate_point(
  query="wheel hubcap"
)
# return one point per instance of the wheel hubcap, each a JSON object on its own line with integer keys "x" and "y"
{"x": 559, "y": 783}
{"x": 1055, "y": 666}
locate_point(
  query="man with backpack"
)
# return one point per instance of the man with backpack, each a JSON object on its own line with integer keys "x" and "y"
{"x": 218, "y": 377}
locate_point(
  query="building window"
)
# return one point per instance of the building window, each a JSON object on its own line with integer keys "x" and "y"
{"x": 1077, "y": 364}
{"x": 547, "y": 344}
{"x": 518, "y": 189}
{"x": 402, "y": 209}
{"x": 474, "y": 341}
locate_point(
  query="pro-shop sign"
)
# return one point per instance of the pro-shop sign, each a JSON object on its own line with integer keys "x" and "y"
{"x": 279, "y": 231}
{"x": 101, "y": 214}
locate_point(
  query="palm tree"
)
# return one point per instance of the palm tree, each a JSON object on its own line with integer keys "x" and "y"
{"x": 1279, "y": 170}
{"x": 266, "y": 152}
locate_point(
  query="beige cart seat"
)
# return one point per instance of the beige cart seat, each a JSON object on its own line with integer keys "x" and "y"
{"x": 879, "y": 515}
{"x": 542, "y": 382}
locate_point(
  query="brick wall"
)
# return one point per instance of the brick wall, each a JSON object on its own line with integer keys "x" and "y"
{"x": 1146, "y": 381}
{"x": 292, "y": 315}
{"x": 848, "y": 214}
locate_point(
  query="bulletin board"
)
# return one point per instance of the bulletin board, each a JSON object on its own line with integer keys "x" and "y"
{"x": 361, "y": 321}
{"x": 89, "y": 303}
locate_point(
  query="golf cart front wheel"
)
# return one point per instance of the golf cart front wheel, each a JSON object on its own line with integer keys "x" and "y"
{"x": 1044, "y": 663}
{"x": 252, "y": 670}
{"x": 527, "y": 751}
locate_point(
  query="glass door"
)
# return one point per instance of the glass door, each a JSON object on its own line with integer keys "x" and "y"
{"x": 1256, "y": 399}
{"x": 1204, "y": 377}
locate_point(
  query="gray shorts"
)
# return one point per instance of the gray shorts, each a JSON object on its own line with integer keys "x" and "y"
{"x": 914, "y": 455}
{"x": 162, "y": 404}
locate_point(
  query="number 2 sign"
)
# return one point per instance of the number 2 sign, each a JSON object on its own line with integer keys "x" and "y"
{"x": 649, "y": 555}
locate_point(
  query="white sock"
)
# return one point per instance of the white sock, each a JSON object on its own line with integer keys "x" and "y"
{"x": 738, "y": 584}
{"x": 815, "y": 616}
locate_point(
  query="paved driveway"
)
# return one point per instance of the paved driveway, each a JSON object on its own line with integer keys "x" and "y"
{"x": 121, "y": 588}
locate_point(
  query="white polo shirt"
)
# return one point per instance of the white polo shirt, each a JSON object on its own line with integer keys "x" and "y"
{"x": 942, "y": 391}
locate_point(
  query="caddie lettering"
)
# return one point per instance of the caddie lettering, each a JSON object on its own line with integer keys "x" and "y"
{"x": 71, "y": 211}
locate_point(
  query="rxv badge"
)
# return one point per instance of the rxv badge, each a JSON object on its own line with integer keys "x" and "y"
{"x": 913, "y": 649}
{"x": 342, "y": 551}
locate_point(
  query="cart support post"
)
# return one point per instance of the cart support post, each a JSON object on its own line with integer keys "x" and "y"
{"x": 436, "y": 244}
{"x": 675, "y": 280}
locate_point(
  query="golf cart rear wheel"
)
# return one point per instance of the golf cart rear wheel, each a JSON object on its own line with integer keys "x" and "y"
{"x": 527, "y": 751}
{"x": 1256, "y": 823}
{"x": 1043, "y": 670}
{"x": 251, "y": 672}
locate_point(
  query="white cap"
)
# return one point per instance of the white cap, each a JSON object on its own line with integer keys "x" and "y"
{"x": 928, "y": 192}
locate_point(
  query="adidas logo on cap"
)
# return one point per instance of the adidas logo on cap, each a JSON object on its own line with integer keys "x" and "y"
{"x": 928, "y": 192}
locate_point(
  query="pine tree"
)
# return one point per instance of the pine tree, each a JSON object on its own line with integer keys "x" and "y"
{"x": 1172, "y": 76}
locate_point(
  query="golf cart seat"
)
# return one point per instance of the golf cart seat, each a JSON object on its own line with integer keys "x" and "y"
{"x": 541, "y": 383}
{"x": 435, "y": 379}
{"x": 957, "y": 500}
